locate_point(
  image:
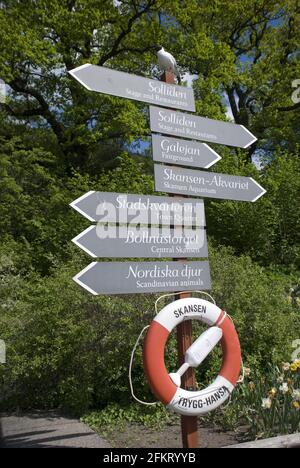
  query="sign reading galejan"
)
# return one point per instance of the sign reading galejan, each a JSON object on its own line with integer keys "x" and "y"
{"x": 183, "y": 152}
{"x": 133, "y": 242}
{"x": 109, "y": 207}
{"x": 206, "y": 184}
{"x": 145, "y": 277}
{"x": 194, "y": 127}
{"x": 116, "y": 83}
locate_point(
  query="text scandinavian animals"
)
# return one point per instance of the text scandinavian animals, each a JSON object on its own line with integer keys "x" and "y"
{"x": 144, "y": 277}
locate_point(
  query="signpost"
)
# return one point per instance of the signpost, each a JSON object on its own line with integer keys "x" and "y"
{"x": 183, "y": 152}
{"x": 131, "y": 209}
{"x": 170, "y": 122}
{"x": 189, "y": 424}
{"x": 206, "y": 184}
{"x": 133, "y": 238}
{"x": 144, "y": 277}
{"x": 116, "y": 83}
{"x": 142, "y": 242}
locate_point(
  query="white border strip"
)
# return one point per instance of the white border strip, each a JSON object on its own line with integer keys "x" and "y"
{"x": 81, "y": 246}
{"x": 78, "y": 200}
{"x": 263, "y": 191}
{"x": 218, "y": 157}
{"x": 75, "y": 70}
{"x": 83, "y": 285}
{"x": 252, "y": 141}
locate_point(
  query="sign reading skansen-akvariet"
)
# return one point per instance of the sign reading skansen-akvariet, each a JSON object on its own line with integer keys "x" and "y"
{"x": 206, "y": 184}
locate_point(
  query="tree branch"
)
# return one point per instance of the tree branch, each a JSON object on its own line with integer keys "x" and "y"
{"x": 233, "y": 105}
{"x": 125, "y": 32}
{"x": 289, "y": 108}
{"x": 19, "y": 114}
{"x": 20, "y": 86}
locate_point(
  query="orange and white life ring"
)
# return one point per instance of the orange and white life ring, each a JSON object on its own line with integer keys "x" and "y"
{"x": 175, "y": 398}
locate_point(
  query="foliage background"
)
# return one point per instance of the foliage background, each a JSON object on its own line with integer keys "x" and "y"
{"x": 67, "y": 349}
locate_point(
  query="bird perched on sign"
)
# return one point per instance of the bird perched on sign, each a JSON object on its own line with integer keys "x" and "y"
{"x": 167, "y": 62}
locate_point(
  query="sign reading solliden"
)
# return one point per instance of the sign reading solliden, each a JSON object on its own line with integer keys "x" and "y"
{"x": 183, "y": 152}
{"x": 206, "y": 184}
{"x": 145, "y": 277}
{"x": 199, "y": 128}
{"x": 141, "y": 242}
{"x": 122, "y": 208}
{"x": 116, "y": 83}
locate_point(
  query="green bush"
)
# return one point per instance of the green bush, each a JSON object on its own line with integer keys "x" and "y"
{"x": 35, "y": 197}
{"x": 114, "y": 416}
{"x": 66, "y": 348}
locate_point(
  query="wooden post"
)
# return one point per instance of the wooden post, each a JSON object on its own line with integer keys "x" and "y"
{"x": 189, "y": 425}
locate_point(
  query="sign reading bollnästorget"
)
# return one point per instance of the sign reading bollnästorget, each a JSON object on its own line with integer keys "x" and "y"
{"x": 141, "y": 242}
{"x": 194, "y": 127}
{"x": 183, "y": 152}
{"x": 121, "y": 208}
{"x": 206, "y": 184}
{"x": 116, "y": 83}
{"x": 145, "y": 277}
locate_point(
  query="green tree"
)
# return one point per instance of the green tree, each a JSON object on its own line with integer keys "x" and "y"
{"x": 35, "y": 195}
{"x": 42, "y": 41}
{"x": 267, "y": 230}
{"x": 247, "y": 52}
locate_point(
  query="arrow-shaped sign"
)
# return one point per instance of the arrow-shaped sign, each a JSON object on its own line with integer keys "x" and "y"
{"x": 170, "y": 122}
{"x": 183, "y": 152}
{"x": 145, "y": 277}
{"x": 122, "y": 208}
{"x": 108, "y": 81}
{"x": 206, "y": 184}
{"x": 124, "y": 242}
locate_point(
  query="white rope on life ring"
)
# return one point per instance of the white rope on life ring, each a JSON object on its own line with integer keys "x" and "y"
{"x": 165, "y": 386}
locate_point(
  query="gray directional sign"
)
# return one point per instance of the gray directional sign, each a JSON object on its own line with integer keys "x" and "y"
{"x": 183, "y": 152}
{"x": 206, "y": 184}
{"x": 108, "y": 81}
{"x": 121, "y": 208}
{"x": 123, "y": 242}
{"x": 199, "y": 128}
{"x": 144, "y": 278}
